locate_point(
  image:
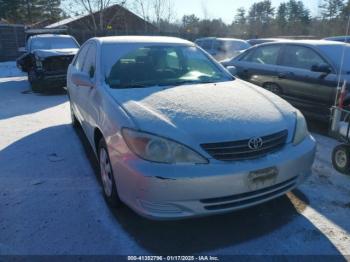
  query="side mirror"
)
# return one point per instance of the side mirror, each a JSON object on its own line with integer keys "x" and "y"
{"x": 232, "y": 70}
{"x": 321, "y": 69}
{"x": 21, "y": 49}
{"x": 81, "y": 79}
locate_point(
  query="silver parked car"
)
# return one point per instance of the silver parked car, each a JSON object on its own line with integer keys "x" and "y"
{"x": 223, "y": 48}
{"x": 176, "y": 135}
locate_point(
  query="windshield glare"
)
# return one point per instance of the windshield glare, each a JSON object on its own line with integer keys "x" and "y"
{"x": 53, "y": 43}
{"x": 160, "y": 65}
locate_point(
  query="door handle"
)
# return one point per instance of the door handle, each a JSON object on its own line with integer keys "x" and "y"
{"x": 285, "y": 75}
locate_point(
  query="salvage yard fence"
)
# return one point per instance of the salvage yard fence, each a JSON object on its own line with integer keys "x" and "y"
{"x": 12, "y": 37}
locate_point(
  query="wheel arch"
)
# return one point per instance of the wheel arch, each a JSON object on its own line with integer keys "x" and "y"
{"x": 265, "y": 84}
{"x": 98, "y": 135}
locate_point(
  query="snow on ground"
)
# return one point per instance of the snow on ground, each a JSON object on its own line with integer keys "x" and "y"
{"x": 9, "y": 69}
{"x": 51, "y": 201}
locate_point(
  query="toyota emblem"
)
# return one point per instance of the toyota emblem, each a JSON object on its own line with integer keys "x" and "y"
{"x": 255, "y": 143}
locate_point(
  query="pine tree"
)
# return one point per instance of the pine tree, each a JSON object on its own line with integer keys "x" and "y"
{"x": 30, "y": 11}
{"x": 260, "y": 17}
{"x": 12, "y": 11}
{"x": 331, "y": 9}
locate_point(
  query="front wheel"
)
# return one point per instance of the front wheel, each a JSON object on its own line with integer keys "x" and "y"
{"x": 34, "y": 83}
{"x": 74, "y": 119}
{"x": 107, "y": 178}
{"x": 341, "y": 159}
{"x": 274, "y": 88}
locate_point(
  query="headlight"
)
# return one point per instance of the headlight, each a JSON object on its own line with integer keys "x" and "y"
{"x": 38, "y": 63}
{"x": 301, "y": 130}
{"x": 161, "y": 150}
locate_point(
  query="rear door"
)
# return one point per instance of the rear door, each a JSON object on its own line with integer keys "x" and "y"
{"x": 259, "y": 65}
{"x": 312, "y": 91}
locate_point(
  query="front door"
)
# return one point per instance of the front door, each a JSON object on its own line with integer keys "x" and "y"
{"x": 306, "y": 89}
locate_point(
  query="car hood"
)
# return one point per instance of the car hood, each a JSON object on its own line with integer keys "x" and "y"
{"x": 44, "y": 53}
{"x": 207, "y": 113}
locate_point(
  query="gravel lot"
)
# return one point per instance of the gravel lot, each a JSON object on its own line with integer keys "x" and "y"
{"x": 51, "y": 201}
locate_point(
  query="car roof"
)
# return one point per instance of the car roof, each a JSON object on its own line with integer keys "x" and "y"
{"x": 50, "y": 35}
{"x": 337, "y": 37}
{"x": 315, "y": 43}
{"x": 267, "y": 39}
{"x": 142, "y": 40}
{"x": 220, "y": 38}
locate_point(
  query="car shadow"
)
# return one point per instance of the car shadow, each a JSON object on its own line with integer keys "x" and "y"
{"x": 318, "y": 127}
{"x": 16, "y": 98}
{"x": 273, "y": 227}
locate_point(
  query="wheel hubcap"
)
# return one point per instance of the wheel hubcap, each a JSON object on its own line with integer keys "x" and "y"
{"x": 106, "y": 173}
{"x": 272, "y": 88}
{"x": 341, "y": 159}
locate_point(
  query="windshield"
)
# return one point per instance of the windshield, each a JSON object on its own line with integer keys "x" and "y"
{"x": 53, "y": 43}
{"x": 335, "y": 53}
{"x": 237, "y": 45}
{"x": 160, "y": 65}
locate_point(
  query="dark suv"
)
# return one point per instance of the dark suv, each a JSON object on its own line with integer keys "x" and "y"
{"x": 47, "y": 59}
{"x": 305, "y": 73}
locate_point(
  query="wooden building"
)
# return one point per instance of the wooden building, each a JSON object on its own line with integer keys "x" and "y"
{"x": 114, "y": 20}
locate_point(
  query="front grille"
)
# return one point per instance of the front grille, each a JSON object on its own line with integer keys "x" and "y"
{"x": 239, "y": 150}
{"x": 57, "y": 64}
{"x": 244, "y": 199}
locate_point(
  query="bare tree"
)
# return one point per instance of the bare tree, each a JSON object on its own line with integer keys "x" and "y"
{"x": 162, "y": 10}
{"x": 142, "y": 8}
{"x": 156, "y": 11}
{"x": 98, "y": 6}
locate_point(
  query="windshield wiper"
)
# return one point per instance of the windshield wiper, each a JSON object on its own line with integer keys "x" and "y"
{"x": 184, "y": 82}
{"x": 132, "y": 86}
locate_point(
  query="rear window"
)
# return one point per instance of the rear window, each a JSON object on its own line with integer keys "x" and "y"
{"x": 205, "y": 44}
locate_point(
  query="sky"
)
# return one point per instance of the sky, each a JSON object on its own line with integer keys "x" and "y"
{"x": 226, "y": 9}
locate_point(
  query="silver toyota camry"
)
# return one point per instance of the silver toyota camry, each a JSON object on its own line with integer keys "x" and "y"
{"x": 176, "y": 135}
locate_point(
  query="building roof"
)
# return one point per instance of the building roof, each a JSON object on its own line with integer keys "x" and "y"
{"x": 109, "y": 10}
{"x": 64, "y": 21}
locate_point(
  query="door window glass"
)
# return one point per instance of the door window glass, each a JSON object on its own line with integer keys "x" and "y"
{"x": 301, "y": 57}
{"x": 90, "y": 61}
{"x": 263, "y": 55}
{"x": 79, "y": 62}
{"x": 206, "y": 44}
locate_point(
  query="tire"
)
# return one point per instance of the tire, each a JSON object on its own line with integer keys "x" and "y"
{"x": 34, "y": 83}
{"x": 274, "y": 88}
{"x": 107, "y": 178}
{"x": 341, "y": 159}
{"x": 75, "y": 122}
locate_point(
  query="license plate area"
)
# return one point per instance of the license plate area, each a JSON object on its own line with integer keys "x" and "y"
{"x": 262, "y": 178}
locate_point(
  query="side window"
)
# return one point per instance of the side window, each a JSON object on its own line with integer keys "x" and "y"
{"x": 301, "y": 57}
{"x": 206, "y": 44}
{"x": 172, "y": 60}
{"x": 79, "y": 61}
{"x": 263, "y": 55}
{"x": 219, "y": 46}
{"x": 89, "y": 66}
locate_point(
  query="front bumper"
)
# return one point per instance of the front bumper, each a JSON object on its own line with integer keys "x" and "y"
{"x": 51, "y": 80}
{"x": 162, "y": 192}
